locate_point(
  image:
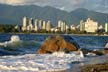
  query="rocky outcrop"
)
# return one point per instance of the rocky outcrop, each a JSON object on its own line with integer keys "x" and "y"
{"x": 58, "y": 43}
{"x": 102, "y": 51}
{"x": 95, "y": 68}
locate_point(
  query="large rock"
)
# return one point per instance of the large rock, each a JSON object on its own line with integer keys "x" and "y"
{"x": 57, "y": 43}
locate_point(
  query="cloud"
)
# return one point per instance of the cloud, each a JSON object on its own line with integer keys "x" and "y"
{"x": 68, "y": 5}
{"x": 43, "y": 2}
{"x": 12, "y": 2}
{"x": 97, "y": 5}
{"x": 62, "y": 8}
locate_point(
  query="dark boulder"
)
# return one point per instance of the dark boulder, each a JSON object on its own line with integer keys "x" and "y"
{"x": 103, "y": 51}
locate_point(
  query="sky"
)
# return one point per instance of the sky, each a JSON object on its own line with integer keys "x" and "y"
{"x": 68, "y": 5}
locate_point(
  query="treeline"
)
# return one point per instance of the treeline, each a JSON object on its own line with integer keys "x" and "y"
{"x": 57, "y": 32}
{"x": 7, "y": 28}
{"x": 4, "y": 28}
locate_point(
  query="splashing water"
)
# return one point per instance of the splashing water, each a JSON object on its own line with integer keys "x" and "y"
{"x": 36, "y": 62}
{"x": 31, "y": 62}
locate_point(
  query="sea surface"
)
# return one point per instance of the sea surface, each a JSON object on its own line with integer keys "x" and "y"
{"x": 22, "y": 57}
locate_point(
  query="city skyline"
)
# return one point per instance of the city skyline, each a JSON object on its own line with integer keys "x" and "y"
{"x": 37, "y": 24}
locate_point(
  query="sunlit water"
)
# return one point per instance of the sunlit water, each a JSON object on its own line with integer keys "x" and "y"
{"x": 22, "y": 56}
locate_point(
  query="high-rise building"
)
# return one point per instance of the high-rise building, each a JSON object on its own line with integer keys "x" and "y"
{"x": 72, "y": 27}
{"x": 82, "y": 25}
{"x": 90, "y": 25}
{"x": 30, "y": 26}
{"x": 63, "y": 26}
{"x": 24, "y": 24}
{"x": 44, "y": 25}
{"x": 31, "y": 21}
{"x": 48, "y": 26}
{"x": 67, "y": 27}
{"x": 106, "y": 27}
{"x": 59, "y": 24}
{"x": 40, "y": 24}
{"x": 36, "y": 25}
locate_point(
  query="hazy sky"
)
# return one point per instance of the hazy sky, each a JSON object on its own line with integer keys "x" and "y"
{"x": 68, "y": 5}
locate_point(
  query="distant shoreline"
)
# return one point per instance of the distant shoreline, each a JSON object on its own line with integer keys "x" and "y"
{"x": 57, "y": 34}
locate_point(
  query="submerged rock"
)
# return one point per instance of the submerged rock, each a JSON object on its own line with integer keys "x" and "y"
{"x": 103, "y": 51}
{"x": 58, "y": 43}
{"x": 99, "y": 52}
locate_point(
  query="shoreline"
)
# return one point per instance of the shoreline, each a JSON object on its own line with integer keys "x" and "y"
{"x": 57, "y": 34}
{"x": 100, "y": 67}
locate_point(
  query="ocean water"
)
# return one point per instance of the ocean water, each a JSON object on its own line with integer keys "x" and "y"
{"x": 22, "y": 57}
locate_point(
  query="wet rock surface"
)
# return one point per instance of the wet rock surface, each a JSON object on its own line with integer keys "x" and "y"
{"x": 95, "y": 68}
{"x": 58, "y": 43}
{"x": 100, "y": 52}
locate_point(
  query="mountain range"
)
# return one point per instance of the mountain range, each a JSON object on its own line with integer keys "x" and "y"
{"x": 14, "y": 14}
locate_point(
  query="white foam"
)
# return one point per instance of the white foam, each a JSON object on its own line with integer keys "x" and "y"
{"x": 36, "y": 62}
{"x": 106, "y": 46}
{"x": 81, "y": 54}
{"x": 13, "y": 40}
{"x": 59, "y": 54}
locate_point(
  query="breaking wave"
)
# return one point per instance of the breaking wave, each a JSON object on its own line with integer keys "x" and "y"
{"x": 46, "y": 62}
{"x": 36, "y": 62}
{"x": 19, "y": 48}
{"x": 21, "y": 55}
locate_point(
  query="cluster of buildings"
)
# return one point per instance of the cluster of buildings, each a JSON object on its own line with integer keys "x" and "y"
{"x": 89, "y": 25}
{"x": 35, "y": 25}
{"x": 92, "y": 26}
